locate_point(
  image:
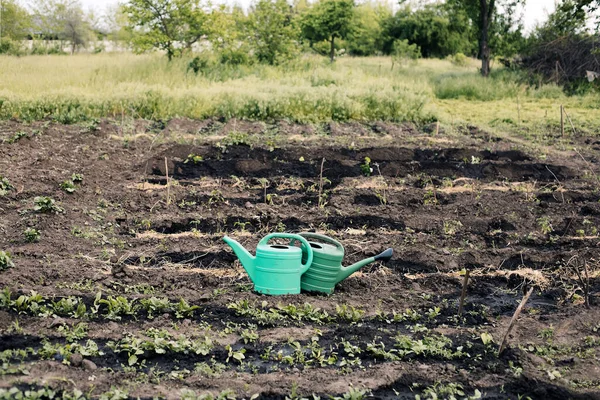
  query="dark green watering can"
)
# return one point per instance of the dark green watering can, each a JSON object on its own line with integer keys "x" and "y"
{"x": 326, "y": 269}
{"x": 276, "y": 269}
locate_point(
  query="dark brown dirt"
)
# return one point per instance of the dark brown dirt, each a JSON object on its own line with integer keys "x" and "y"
{"x": 476, "y": 200}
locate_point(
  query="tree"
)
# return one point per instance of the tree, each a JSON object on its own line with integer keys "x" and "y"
{"x": 272, "y": 32}
{"x": 366, "y": 33}
{"x": 227, "y": 35}
{"x": 63, "y": 20}
{"x": 169, "y": 25}
{"x": 483, "y": 15}
{"x": 328, "y": 20}
{"x": 437, "y": 29}
{"x": 15, "y": 21}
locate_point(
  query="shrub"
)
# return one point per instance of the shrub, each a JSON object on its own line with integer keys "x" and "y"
{"x": 459, "y": 59}
{"x": 404, "y": 53}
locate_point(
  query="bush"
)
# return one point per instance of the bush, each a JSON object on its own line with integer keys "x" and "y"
{"x": 198, "y": 64}
{"x": 459, "y": 59}
{"x": 404, "y": 53}
{"x": 11, "y": 48}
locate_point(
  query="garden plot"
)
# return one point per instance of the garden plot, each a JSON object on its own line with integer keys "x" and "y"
{"x": 117, "y": 281}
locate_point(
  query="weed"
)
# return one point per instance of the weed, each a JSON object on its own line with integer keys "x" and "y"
{"x": 43, "y": 204}
{"x": 5, "y": 260}
{"x": 16, "y": 137}
{"x": 545, "y": 225}
{"x": 451, "y": 227}
{"x": 547, "y": 333}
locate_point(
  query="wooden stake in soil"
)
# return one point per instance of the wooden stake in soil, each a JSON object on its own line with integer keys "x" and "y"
{"x": 437, "y": 128}
{"x": 463, "y": 293}
{"x": 514, "y": 320}
{"x": 167, "y": 174}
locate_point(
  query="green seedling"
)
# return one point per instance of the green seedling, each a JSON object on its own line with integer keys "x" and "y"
{"x": 366, "y": 168}
{"x": 68, "y": 186}
{"x": 16, "y": 137}
{"x": 545, "y": 225}
{"x": 31, "y": 235}
{"x": 5, "y": 186}
{"x": 5, "y": 260}
{"x": 44, "y": 204}
{"x": 77, "y": 178}
{"x": 194, "y": 159}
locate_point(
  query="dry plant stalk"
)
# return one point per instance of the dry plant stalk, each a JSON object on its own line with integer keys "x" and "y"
{"x": 514, "y": 320}
{"x": 571, "y": 122}
{"x": 321, "y": 200}
{"x": 167, "y": 174}
{"x": 463, "y": 293}
{"x": 584, "y": 279}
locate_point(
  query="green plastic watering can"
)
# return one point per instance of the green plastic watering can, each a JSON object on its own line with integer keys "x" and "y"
{"x": 326, "y": 269}
{"x": 276, "y": 269}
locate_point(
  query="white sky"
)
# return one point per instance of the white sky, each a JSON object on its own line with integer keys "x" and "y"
{"x": 536, "y": 11}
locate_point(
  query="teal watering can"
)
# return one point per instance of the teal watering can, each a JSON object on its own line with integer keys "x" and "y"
{"x": 326, "y": 269}
{"x": 276, "y": 269}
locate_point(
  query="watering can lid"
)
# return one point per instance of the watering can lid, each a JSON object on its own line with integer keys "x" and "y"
{"x": 327, "y": 251}
{"x": 278, "y": 251}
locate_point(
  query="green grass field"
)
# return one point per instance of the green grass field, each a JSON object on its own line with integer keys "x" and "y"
{"x": 71, "y": 89}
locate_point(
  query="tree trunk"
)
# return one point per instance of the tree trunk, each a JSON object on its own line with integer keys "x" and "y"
{"x": 485, "y": 14}
{"x": 332, "y": 50}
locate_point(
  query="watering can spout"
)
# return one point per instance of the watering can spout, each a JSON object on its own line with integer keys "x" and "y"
{"x": 246, "y": 259}
{"x": 347, "y": 271}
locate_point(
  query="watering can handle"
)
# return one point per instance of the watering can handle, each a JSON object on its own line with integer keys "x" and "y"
{"x": 293, "y": 236}
{"x": 323, "y": 238}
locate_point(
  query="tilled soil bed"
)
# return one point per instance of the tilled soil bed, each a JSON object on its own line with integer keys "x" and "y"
{"x": 123, "y": 287}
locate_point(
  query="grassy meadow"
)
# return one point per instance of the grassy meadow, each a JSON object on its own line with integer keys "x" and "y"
{"x": 71, "y": 89}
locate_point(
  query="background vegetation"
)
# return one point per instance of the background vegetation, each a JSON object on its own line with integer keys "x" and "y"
{"x": 270, "y": 62}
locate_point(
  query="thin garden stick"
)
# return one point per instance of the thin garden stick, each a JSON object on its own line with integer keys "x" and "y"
{"x": 562, "y": 122}
{"x": 571, "y": 122}
{"x": 514, "y": 320}
{"x": 321, "y": 200}
{"x": 463, "y": 293}
{"x": 167, "y": 174}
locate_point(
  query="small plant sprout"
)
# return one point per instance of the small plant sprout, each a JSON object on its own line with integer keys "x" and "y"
{"x": 5, "y": 261}
{"x": 5, "y": 186}
{"x": 545, "y": 225}
{"x": 77, "y": 178}
{"x": 44, "y": 204}
{"x": 68, "y": 186}
{"x": 366, "y": 168}
{"x": 193, "y": 159}
{"x": 31, "y": 235}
